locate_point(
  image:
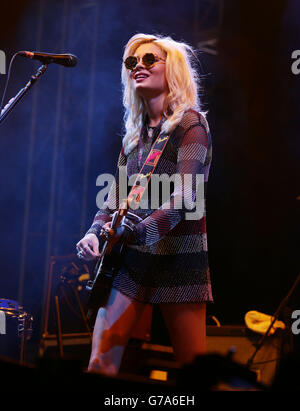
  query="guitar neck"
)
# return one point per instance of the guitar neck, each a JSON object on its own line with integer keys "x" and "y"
{"x": 117, "y": 217}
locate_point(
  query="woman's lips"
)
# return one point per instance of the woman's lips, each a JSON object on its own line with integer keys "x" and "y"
{"x": 138, "y": 77}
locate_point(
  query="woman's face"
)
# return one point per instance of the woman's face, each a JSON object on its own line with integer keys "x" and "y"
{"x": 149, "y": 82}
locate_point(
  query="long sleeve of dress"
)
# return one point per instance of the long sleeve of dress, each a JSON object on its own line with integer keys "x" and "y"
{"x": 191, "y": 161}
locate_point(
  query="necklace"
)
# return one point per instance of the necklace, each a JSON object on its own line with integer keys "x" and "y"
{"x": 150, "y": 131}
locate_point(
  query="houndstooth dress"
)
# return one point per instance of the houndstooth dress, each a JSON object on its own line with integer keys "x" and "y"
{"x": 168, "y": 261}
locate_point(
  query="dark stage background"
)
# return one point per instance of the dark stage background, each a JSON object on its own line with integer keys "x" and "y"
{"x": 68, "y": 130}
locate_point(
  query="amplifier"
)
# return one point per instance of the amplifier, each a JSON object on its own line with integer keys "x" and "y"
{"x": 233, "y": 340}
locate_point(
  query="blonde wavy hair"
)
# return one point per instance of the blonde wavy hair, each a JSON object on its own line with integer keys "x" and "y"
{"x": 183, "y": 87}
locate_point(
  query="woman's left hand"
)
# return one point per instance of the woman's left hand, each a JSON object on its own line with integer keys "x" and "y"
{"x": 110, "y": 234}
{"x": 123, "y": 233}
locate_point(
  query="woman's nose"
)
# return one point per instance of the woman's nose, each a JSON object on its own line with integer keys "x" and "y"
{"x": 139, "y": 66}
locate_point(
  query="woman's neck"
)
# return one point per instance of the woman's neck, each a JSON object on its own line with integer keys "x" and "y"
{"x": 155, "y": 109}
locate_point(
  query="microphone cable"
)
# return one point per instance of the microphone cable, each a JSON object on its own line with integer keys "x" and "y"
{"x": 7, "y": 80}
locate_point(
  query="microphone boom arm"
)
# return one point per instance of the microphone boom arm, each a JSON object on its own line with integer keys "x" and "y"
{"x": 8, "y": 108}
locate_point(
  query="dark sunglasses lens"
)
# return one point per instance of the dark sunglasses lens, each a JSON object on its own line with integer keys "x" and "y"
{"x": 148, "y": 59}
{"x": 130, "y": 62}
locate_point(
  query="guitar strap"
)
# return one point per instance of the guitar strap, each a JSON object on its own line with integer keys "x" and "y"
{"x": 142, "y": 180}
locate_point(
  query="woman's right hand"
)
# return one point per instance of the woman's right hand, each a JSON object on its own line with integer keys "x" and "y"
{"x": 88, "y": 247}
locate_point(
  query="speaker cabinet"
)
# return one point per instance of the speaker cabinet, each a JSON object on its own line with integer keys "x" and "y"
{"x": 235, "y": 341}
{"x": 241, "y": 343}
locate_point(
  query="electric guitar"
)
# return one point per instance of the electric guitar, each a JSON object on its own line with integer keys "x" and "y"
{"x": 106, "y": 267}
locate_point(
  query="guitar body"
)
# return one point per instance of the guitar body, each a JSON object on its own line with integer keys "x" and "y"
{"x": 105, "y": 271}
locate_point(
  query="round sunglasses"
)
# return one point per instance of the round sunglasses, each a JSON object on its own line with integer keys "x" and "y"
{"x": 148, "y": 60}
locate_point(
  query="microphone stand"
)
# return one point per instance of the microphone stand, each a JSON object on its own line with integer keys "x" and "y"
{"x": 282, "y": 305}
{"x": 4, "y": 113}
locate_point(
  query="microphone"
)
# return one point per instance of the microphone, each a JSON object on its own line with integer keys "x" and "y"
{"x": 67, "y": 60}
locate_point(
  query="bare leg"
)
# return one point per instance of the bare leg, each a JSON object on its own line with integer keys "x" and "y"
{"x": 187, "y": 328}
{"x": 113, "y": 327}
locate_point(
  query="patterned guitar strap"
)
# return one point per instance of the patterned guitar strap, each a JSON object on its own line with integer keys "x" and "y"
{"x": 142, "y": 180}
